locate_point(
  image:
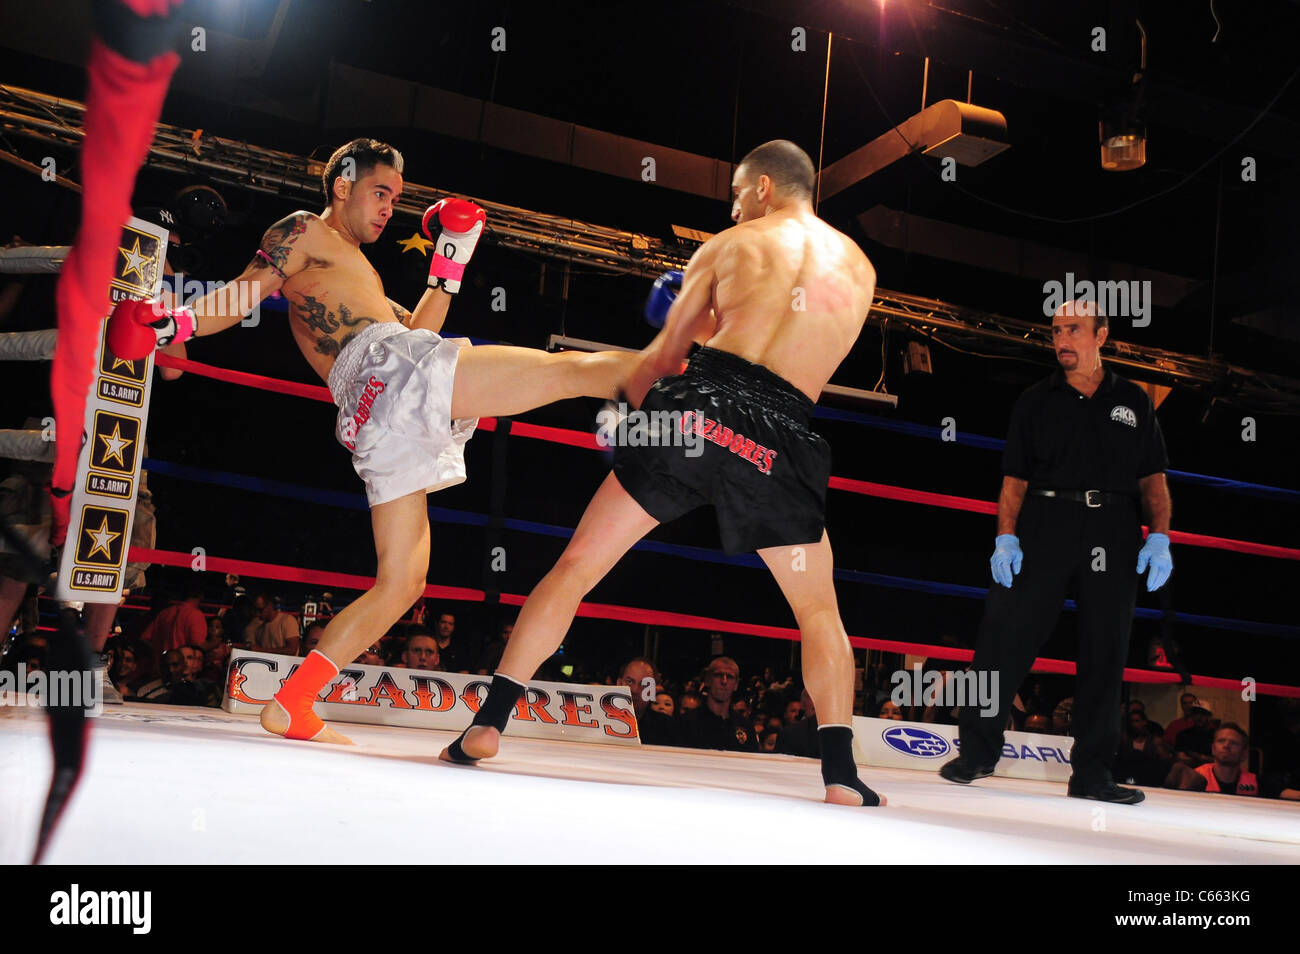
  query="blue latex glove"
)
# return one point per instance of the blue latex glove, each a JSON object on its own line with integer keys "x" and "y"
{"x": 1006, "y": 559}
{"x": 1155, "y": 552}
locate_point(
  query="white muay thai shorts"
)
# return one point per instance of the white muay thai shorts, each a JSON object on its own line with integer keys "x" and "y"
{"x": 393, "y": 386}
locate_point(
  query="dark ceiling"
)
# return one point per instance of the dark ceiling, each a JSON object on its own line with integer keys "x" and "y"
{"x": 714, "y": 79}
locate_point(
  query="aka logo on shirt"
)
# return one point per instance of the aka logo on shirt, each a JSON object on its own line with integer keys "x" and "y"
{"x": 1124, "y": 415}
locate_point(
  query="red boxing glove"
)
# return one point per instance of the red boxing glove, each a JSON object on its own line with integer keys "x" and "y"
{"x": 136, "y": 328}
{"x": 461, "y": 223}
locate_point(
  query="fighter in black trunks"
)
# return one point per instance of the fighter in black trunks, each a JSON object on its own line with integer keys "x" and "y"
{"x": 777, "y": 301}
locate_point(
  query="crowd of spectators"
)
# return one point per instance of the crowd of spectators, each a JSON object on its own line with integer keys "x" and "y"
{"x": 176, "y": 652}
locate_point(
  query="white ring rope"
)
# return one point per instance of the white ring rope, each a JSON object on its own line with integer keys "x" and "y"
{"x": 28, "y": 345}
{"x": 33, "y": 259}
{"x": 26, "y": 445}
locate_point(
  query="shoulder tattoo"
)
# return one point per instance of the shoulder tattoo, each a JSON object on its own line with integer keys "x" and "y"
{"x": 279, "y": 241}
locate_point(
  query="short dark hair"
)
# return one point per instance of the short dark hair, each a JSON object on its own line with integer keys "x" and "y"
{"x": 785, "y": 164}
{"x": 365, "y": 154}
{"x": 1245, "y": 739}
{"x": 414, "y": 633}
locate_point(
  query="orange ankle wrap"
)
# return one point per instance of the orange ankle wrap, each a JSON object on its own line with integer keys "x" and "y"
{"x": 300, "y": 691}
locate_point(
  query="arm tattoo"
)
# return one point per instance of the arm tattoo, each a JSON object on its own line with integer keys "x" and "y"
{"x": 402, "y": 314}
{"x": 279, "y": 240}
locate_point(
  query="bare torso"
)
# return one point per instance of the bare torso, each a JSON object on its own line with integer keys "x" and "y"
{"x": 790, "y": 293}
{"x": 336, "y": 295}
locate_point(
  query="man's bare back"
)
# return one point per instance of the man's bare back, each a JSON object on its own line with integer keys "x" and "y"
{"x": 790, "y": 293}
{"x": 332, "y": 289}
{"x": 781, "y": 289}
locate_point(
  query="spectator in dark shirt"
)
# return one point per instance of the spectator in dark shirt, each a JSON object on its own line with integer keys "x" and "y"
{"x": 205, "y": 689}
{"x": 1187, "y": 700}
{"x": 490, "y": 657}
{"x": 712, "y": 725}
{"x": 450, "y": 651}
{"x": 654, "y": 727}
{"x": 235, "y": 620}
{"x": 690, "y": 702}
{"x": 1144, "y": 758}
{"x": 800, "y": 737}
{"x": 1193, "y": 745}
{"x": 1137, "y": 705}
{"x": 176, "y": 687}
{"x": 1280, "y": 768}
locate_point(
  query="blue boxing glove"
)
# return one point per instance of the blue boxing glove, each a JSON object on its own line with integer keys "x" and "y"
{"x": 1006, "y": 559}
{"x": 662, "y": 296}
{"x": 1155, "y": 553}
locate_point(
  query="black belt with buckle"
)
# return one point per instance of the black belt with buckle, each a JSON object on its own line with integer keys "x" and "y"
{"x": 1089, "y": 498}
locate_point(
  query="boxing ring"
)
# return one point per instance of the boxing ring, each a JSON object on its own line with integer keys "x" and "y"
{"x": 166, "y": 784}
{"x": 218, "y": 789}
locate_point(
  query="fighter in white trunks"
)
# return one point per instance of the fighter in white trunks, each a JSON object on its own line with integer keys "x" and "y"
{"x": 407, "y": 398}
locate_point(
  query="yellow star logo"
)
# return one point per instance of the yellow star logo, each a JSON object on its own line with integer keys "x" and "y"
{"x": 118, "y": 362}
{"x": 115, "y": 443}
{"x": 416, "y": 243}
{"x": 102, "y": 537}
{"x": 134, "y": 260}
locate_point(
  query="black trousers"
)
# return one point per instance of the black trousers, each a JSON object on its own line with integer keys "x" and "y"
{"x": 1068, "y": 547}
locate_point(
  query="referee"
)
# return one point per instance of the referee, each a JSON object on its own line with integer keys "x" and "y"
{"x": 1082, "y": 448}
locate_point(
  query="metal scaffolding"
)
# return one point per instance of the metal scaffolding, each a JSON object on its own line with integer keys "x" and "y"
{"x": 59, "y": 122}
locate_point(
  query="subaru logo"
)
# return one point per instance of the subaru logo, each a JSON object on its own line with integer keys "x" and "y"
{"x": 919, "y": 742}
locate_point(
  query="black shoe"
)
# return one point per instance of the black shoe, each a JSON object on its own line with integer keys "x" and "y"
{"x": 1107, "y": 792}
{"x": 962, "y": 772}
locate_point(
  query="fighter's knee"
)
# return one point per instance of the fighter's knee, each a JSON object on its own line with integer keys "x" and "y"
{"x": 404, "y": 588}
{"x": 574, "y": 569}
{"x": 415, "y": 588}
{"x": 815, "y": 614}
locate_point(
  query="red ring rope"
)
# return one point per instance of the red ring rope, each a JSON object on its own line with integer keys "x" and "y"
{"x": 561, "y": 435}
{"x": 632, "y": 614}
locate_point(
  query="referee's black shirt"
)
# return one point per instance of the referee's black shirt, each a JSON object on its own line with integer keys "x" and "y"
{"x": 1061, "y": 440}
